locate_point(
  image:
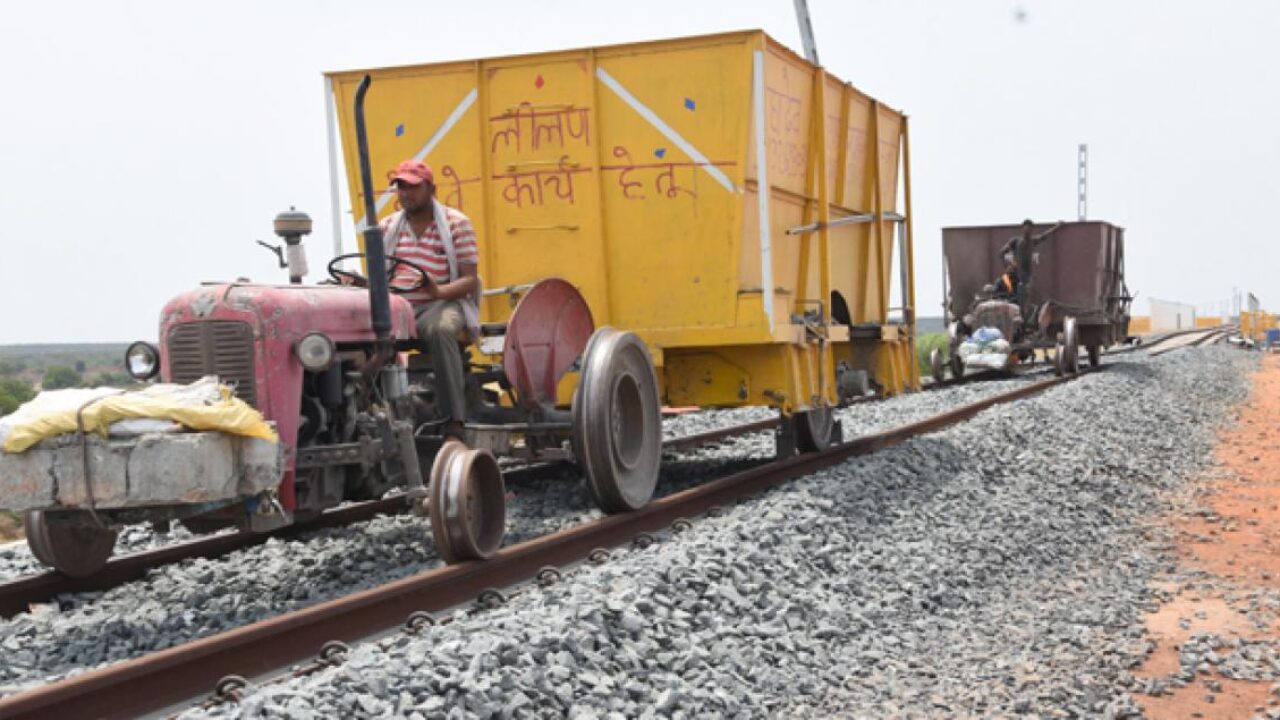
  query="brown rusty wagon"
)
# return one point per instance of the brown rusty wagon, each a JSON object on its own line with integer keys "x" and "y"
{"x": 1067, "y": 291}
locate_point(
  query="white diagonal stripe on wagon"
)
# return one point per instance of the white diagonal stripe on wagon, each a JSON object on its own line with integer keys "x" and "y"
{"x": 668, "y": 131}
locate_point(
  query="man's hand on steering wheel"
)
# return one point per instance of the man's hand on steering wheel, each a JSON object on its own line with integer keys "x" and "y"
{"x": 351, "y": 280}
{"x": 343, "y": 276}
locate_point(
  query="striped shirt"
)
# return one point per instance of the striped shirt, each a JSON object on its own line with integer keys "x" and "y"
{"x": 427, "y": 250}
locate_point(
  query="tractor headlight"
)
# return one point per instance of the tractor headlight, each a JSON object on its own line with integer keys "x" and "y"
{"x": 142, "y": 360}
{"x": 315, "y": 352}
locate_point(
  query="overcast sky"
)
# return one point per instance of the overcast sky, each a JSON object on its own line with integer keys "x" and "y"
{"x": 144, "y": 146}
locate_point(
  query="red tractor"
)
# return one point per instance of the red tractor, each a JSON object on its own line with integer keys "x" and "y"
{"x": 349, "y": 386}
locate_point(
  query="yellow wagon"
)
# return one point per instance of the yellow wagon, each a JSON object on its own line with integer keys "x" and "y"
{"x": 635, "y": 172}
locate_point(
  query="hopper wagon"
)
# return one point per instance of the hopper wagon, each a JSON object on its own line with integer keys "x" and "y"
{"x": 734, "y": 206}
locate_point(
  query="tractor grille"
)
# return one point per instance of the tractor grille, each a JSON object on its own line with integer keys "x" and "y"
{"x": 214, "y": 347}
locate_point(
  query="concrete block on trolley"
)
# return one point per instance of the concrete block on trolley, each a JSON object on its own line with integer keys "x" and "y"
{"x": 108, "y": 469}
{"x": 153, "y": 469}
{"x": 161, "y": 470}
{"x": 26, "y": 480}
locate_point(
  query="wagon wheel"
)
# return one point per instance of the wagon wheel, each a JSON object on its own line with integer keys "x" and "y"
{"x": 953, "y": 347}
{"x": 1095, "y": 356}
{"x": 937, "y": 365}
{"x": 812, "y": 429}
{"x": 74, "y": 543}
{"x": 617, "y": 431}
{"x": 466, "y": 503}
{"x": 1071, "y": 345}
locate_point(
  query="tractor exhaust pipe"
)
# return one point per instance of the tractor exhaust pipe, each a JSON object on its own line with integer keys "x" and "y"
{"x": 399, "y": 427}
{"x": 374, "y": 250}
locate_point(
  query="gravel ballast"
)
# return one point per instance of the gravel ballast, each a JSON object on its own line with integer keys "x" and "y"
{"x": 200, "y": 597}
{"x": 999, "y": 567}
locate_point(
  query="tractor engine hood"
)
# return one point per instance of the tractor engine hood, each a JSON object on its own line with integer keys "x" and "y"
{"x": 288, "y": 312}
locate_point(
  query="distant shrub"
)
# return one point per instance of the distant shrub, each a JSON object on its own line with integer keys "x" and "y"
{"x": 14, "y": 392}
{"x": 60, "y": 376}
{"x": 115, "y": 380}
{"x": 925, "y": 344}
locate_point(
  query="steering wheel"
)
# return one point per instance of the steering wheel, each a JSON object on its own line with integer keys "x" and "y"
{"x": 338, "y": 274}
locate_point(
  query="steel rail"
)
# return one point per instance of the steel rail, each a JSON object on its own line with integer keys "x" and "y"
{"x": 17, "y": 596}
{"x": 1211, "y": 338}
{"x": 161, "y": 679}
{"x": 1166, "y": 337}
{"x": 710, "y": 436}
{"x": 975, "y": 377}
{"x": 1206, "y": 334}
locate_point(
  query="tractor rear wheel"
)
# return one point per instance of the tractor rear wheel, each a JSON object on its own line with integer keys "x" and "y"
{"x": 467, "y": 503}
{"x": 617, "y": 426}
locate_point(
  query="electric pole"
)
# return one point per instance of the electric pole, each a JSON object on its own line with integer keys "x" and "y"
{"x": 806, "y": 32}
{"x": 1082, "y": 181}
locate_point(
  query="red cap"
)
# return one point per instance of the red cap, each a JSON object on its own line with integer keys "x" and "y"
{"x": 413, "y": 172}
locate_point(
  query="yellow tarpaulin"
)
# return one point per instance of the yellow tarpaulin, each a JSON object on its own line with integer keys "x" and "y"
{"x": 202, "y": 405}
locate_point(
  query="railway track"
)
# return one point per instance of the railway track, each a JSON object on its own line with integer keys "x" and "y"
{"x": 1198, "y": 339}
{"x": 1159, "y": 345}
{"x": 176, "y": 675}
{"x": 1172, "y": 340}
{"x": 17, "y": 596}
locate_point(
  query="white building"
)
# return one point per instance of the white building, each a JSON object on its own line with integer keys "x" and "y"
{"x": 1167, "y": 315}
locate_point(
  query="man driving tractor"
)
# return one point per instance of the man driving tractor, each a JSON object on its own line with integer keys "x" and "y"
{"x": 442, "y": 242}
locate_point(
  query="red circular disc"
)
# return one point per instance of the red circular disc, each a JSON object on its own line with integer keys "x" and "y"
{"x": 547, "y": 332}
